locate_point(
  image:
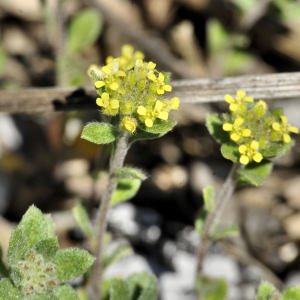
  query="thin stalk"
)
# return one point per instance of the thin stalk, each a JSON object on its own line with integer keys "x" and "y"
{"x": 116, "y": 163}
{"x": 213, "y": 217}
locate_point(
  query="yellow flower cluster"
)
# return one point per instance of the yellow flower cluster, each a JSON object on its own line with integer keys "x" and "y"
{"x": 134, "y": 89}
{"x": 253, "y": 128}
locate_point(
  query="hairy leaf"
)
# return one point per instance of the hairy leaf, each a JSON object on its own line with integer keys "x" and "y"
{"x": 126, "y": 189}
{"x": 215, "y": 127}
{"x": 47, "y": 248}
{"x": 17, "y": 247}
{"x": 209, "y": 198}
{"x": 3, "y": 269}
{"x": 118, "y": 289}
{"x": 71, "y": 263}
{"x": 34, "y": 226}
{"x": 200, "y": 220}
{"x": 130, "y": 173}
{"x": 277, "y": 149}
{"x": 100, "y": 133}
{"x": 120, "y": 252}
{"x": 45, "y": 296}
{"x": 230, "y": 151}
{"x": 65, "y": 292}
{"x": 292, "y": 293}
{"x": 211, "y": 288}
{"x": 159, "y": 126}
{"x": 277, "y": 113}
{"x": 9, "y": 292}
{"x": 265, "y": 290}
{"x": 50, "y": 225}
{"x": 143, "y": 135}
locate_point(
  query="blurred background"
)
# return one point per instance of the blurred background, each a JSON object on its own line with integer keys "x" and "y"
{"x": 47, "y": 43}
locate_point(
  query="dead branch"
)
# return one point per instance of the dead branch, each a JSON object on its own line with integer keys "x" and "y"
{"x": 267, "y": 87}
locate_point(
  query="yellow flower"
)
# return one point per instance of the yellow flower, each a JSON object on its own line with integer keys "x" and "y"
{"x": 105, "y": 102}
{"x": 174, "y": 104}
{"x": 160, "y": 80}
{"x": 148, "y": 115}
{"x": 249, "y": 152}
{"x": 95, "y": 69}
{"x": 283, "y": 129}
{"x": 237, "y": 131}
{"x": 238, "y": 101}
{"x": 129, "y": 124}
{"x": 128, "y": 57}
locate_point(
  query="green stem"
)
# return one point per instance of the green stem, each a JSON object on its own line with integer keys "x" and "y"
{"x": 116, "y": 163}
{"x": 213, "y": 217}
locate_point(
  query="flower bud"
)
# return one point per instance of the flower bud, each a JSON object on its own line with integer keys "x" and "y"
{"x": 127, "y": 107}
{"x": 260, "y": 108}
{"x": 129, "y": 124}
{"x": 130, "y": 78}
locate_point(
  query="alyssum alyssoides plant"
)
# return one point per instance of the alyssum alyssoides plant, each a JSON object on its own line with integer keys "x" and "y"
{"x": 250, "y": 135}
{"x": 134, "y": 96}
{"x": 37, "y": 269}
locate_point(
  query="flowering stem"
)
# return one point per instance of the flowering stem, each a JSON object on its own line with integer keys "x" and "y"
{"x": 213, "y": 217}
{"x": 116, "y": 163}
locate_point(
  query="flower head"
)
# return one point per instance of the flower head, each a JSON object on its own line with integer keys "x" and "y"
{"x": 250, "y": 152}
{"x": 237, "y": 105}
{"x": 281, "y": 130}
{"x": 237, "y": 130}
{"x": 148, "y": 114}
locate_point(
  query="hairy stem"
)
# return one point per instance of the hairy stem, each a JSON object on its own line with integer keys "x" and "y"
{"x": 213, "y": 217}
{"x": 116, "y": 163}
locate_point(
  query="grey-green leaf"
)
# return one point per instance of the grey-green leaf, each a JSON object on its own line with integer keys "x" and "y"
{"x": 83, "y": 221}
{"x": 209, "y": 198}
{"x": 277, "y": 113}
{"x": 215, "y": 127}
{"x": 277, "y": 149}
{"x": 159, "y": 126}
{"x": 292, "y": 293}
{"x": 143, "y": 284}
{"x": 50, "y": 225}
{"x": 120, "y": 252}
{"x": 130, "y": 173}
{"x": 255, "y": 173}
{"x": 230, "y": 230}
{"x": 17, "y": 247}
{"x": 84, "y": 29}
{"x": 265, "y": 290}
{"x": 118, "y": 290}
{"x": 230, "y": 151}
{"x": 71, "y": 263}
{"x": 9, "y": 292}
{"x": 3, "y": 269}
{"x": 45, "y": 296}
{"x": 47, "y": 248}
{"x": 34, "y": 226}
{"x": 65, "y": 292}
{"x": 211, "y": 288}
{"x": 126, "y": 189}
{"x": 143, "y": 135}
{"x": 100, "y": 133}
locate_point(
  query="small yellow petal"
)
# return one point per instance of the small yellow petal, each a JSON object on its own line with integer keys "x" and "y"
{"x": 105, "y": 96}
{"x": 163, "y": 115}
{"x": 151, "y": 65}
{"x": 107, "y": 69}
{"x": 167, "y": 88}
{"x": 139, "y": 55}
{"x": 99, "y": 84}
{"x": 152, "y": 77}
{"x": 114, "y": 104}
{"x": 127, "y": 50}
{"x": 240, "y": 94}
{"x": 246, "y": 132}
{"x": 276, "y": 126}
{"x": 242, "y": 149}
{"x": 99, "y": 101}
{"x": 293, "y": 129}
{"x": 238, "y": 121}
{"x": 120, "y": 73}
{"x": 228, "y": 98}
{"x": 286, "y": 138}
{"x": 244, "y": 159}
{"x": 138, "y": 63}
{"x": 141, "y": 110}
{"x": 233, "y": 107}
{"x": 284, "y": 119}
{"x": 161, "y": 77}
{"x": 227, "y": 127}
{"x": 148, "y": 122}
{"x": 248, "y": 99}
{"x": 257, "y": 157}
{"x": 109, "y": 59}
{"x": 235, "y": 137}
{"x": 158, "y": 105}
{"x": 114, "y": 86}
{"x": 160, "y": 91}
{"x": 254, "y": 145}
{"x": 175, "y": 102}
